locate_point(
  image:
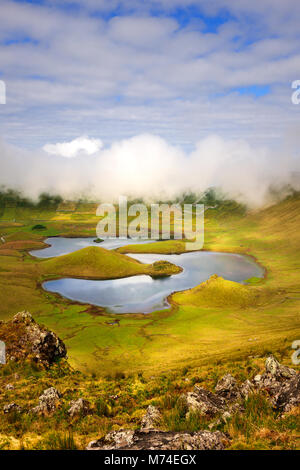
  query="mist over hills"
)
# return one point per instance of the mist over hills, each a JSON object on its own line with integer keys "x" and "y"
{"x": 146, "y": 166}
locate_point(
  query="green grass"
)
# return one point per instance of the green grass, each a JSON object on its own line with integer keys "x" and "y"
{"x": 224, "y": 323}
{"x": 217, "y": 292}
{"x": 97, "y": 263}
{"x": 119, "y": 401}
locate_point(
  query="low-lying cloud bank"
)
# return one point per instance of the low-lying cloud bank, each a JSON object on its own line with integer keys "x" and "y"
{"x": 147, "y": 166}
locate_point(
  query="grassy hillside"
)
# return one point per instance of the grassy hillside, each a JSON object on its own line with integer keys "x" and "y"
{"x": 118, "y": 401}
{"x": 222, "y": 324}
{"x": 97, "y": 263}
{"x": 217, "y": 292}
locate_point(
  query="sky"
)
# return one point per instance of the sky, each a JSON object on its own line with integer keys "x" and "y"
{"x": 84, "y": 75}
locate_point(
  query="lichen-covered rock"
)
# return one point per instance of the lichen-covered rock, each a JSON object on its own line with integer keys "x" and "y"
{"x": 274, "y": 376}
{"x": 25, "y": 338}
{"x": 79, "y": 407}
{"x": 246, "y": 389}
{"x": 203, "y": 402}
{"x": 277, "y": 370}
{"x": 48, "y": 401}
{"x": 151, "y": 419}
{"x": 288, "y": 396}
{"x": 12, "y": 408}
{"x": 23, "y": 317}
{"x": 154, "y": 440}
{"x": 228, "y": 388}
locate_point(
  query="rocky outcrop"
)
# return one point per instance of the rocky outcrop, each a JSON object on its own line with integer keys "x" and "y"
{"x": 155, "y": 440}
{"x": 274, "y": 368}
{"x": 288, "y": 396}
{"x": 228, "y": 388}
{"x": 231, "y": 391}
{"x": 48, "y": 401}
{"x": 203, "y": 402}
{"x": 151, "y": 419}
{"x": 246, "y": 389}
{"x": 274, "y": 378}
{"x": 280, "y": 382}
{"x": 25, "y": 338}
{"x": 79, "y": 407}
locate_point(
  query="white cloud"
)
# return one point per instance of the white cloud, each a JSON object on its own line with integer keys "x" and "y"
{"x": 141, "y": 31}
{"x": 77, "y": 147}
{"x": 138, "y": 73}
{"x": 147, "y": 166}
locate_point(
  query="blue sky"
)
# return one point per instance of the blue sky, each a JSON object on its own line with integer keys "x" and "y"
{"x": 179, "y": 69}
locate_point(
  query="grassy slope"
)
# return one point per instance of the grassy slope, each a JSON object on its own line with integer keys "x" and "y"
{"x": 97, "y": 263}
{"x": 188, "y": 334}
{"x": 218, "y": 292}
{"x": 120, "y": 402}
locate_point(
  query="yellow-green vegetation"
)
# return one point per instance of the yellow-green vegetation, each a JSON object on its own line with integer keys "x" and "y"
{"x": 189, "y": 333}
{"x": 119, "y": 401}
{"x": 217, "y": 292}
{"x": 97, "y": 263}
{"x": 166, "y": 247}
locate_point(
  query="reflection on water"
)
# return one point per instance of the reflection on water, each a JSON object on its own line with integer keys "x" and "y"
{"x": 63, "y": 246}
{"x": 144, "y": 294}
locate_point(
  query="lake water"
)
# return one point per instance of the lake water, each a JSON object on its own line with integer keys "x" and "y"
{"x": 62, "y": 246}
{"x": 142, "y": 294}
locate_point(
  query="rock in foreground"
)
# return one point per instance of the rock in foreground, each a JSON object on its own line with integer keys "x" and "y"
{"x": 48, "y": 401}
{"x": 203, "y": 402}
{"x": 155, "y": 440}
{"x": 151, "y": 419}
{"x": 79, "y": 407}
{"x": 23, "y": 338}
{"x": 288, "y": 396}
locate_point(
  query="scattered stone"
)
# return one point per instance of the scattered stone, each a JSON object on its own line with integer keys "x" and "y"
{"x": 48, "y": 401}
{"x": 204, "y": 402}
{"x": 155, "y": 440}
{"x": 151, "y": 419}
{"x": 79, "y": 407}
{"x": 9, "y": 387}
{"x": 12, "y": 408}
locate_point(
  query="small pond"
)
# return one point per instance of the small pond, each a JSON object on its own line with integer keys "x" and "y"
{"x": 142, "y": 294}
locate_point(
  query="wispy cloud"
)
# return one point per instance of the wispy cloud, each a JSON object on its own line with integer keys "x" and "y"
{"x": 131, "y": 67}
{"x": 178, "y": 69}
{"x": 148, "y": 166}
